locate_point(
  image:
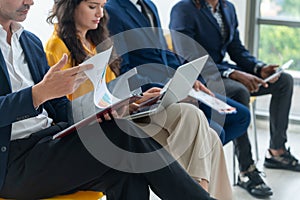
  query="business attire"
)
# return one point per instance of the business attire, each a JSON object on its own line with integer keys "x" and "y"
{"x": 201, "y": 153}
{"x": 219, "y": 35}
{"x": 145, "y": 48}
{"x": 82, "y": 107}
{"x": 36, "y": 166}
{"x": 133, "y": 52}
{"x": 55, "y": 48}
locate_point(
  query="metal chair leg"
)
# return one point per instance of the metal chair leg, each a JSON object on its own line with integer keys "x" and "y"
{"x": 233, "y": 165}
{"x": 253, "y": 124}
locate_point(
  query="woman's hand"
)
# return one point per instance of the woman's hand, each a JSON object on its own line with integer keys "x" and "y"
{"x": 151, "y": 93}
{"x": 200, "y": 86}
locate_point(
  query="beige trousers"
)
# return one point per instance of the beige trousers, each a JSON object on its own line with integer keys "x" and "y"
{"x": 184, "y": 131}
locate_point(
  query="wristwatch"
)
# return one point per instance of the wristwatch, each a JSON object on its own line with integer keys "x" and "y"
{"x": 258, "y": 67}
{"x": 227, "y": 73}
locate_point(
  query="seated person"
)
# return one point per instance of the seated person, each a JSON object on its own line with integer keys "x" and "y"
{"x": 213, "y": 25}
{"x": 181, "y": 129}
{"x": 140, "y": 46}
{"x": 33, "y": 108}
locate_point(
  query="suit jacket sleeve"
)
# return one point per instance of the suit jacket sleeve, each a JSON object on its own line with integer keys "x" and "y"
{"x": 237, "y": 51}
{"x": 183, "y": 23}
{"x": 19, "y": 105}
{"x": 16, "y": 106}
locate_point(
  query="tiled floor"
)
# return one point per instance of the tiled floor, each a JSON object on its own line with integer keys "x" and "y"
{"x": 285, "y": 184}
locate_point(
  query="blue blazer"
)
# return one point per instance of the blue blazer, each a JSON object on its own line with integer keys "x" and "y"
{"x": 139, "y": 46}
{"x": 18, "y": 105}
{"x": 200, "y": 24}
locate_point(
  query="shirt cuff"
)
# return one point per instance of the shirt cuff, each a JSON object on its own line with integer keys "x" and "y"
{"x": 228, "y": 72}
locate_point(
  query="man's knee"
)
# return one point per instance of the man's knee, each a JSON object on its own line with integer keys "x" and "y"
{"x": 286, "y": 81}
{"x": 241, "y": 95}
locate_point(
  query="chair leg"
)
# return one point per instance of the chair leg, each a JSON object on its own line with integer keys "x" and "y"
{"x": 253, "y": 124}
{"x": 233, "y": 165}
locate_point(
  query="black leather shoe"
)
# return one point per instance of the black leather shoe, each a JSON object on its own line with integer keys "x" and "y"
{"x": 286, "y": 161}
{"x": 254, "y": 184}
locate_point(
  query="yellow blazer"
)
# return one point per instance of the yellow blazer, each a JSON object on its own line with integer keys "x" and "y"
{"x": 55, "y": 48}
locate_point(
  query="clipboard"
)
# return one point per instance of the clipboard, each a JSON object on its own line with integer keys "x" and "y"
{"x": 99, "y": 115}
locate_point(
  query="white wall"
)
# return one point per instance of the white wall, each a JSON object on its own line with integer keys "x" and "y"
{"x": 241, "y": 10}
{"x": 164, "y": 8}
{"x": 36, "y": 20}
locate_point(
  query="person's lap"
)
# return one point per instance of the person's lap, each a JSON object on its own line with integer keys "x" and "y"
{"x": 50, "y": 167}
{"x": 44, "y": 167}
{"x": 228, "y": 126}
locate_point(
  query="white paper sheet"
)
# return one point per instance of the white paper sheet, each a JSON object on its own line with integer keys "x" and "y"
{"x": 212, "y": 102}
{"x": 102, "y": 96}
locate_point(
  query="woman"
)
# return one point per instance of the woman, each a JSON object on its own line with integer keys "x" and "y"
{"x": 182, "y": 128}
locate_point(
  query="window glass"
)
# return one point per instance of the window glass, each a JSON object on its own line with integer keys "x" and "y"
{"x": 280, "y": 9}
{"x": 277, "y": 44}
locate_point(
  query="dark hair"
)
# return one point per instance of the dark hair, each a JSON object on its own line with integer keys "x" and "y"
{"x": 63, "y": 11}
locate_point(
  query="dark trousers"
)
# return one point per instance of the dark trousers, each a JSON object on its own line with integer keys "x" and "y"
{"x": 281, "y": 91}
{"x": 40, "y": 167}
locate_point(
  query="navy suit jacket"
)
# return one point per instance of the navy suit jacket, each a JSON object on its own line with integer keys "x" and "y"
{"x": 17, "y": 106}
{"x": 200, "y": 24}
{"x": 139, "y": 46}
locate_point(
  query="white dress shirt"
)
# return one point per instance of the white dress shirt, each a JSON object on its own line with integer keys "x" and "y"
{"x": 136, "y": 4}
{"x": 149, "y": 14}
{"x": 20, "y": 78}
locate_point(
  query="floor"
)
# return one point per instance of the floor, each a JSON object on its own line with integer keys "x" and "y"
{"x": 285, "y": 184}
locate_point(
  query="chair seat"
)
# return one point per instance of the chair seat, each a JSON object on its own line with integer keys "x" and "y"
{"x": 81, "y": 195}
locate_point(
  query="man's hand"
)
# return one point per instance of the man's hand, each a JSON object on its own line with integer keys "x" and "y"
{"x": 267, "y": 71}
{"x": 199, "y": 86}
{"x": 250, "y": 81}
{"x": 57, "y": 83}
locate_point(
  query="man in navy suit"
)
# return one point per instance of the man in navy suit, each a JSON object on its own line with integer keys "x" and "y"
{"x": 33, "y": 108}
{"x": 139, "y": 40}
{"x": 213, "y": 24}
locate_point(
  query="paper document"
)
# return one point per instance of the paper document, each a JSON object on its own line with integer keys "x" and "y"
{"x": 279, "y": 70}
{"x": 102, "y": 96}
{"x": 212, "y": 102}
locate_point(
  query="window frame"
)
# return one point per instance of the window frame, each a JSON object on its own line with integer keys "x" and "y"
{"x": 254, "y": 20}
{"x": 253, "y": 23}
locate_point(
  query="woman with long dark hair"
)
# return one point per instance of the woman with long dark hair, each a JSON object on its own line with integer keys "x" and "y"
{"x": 181, "y": 128}
{"x": 88, "y": 34}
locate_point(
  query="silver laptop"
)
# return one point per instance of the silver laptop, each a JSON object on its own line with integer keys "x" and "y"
{"x": 176, "y": 89}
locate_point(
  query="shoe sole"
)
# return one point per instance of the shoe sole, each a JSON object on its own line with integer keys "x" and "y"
{"x": 275, "y": 166}
{"x": 255, "y": 195}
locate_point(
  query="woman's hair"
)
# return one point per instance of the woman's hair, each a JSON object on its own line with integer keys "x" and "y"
{"x": 63, "y": 11}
